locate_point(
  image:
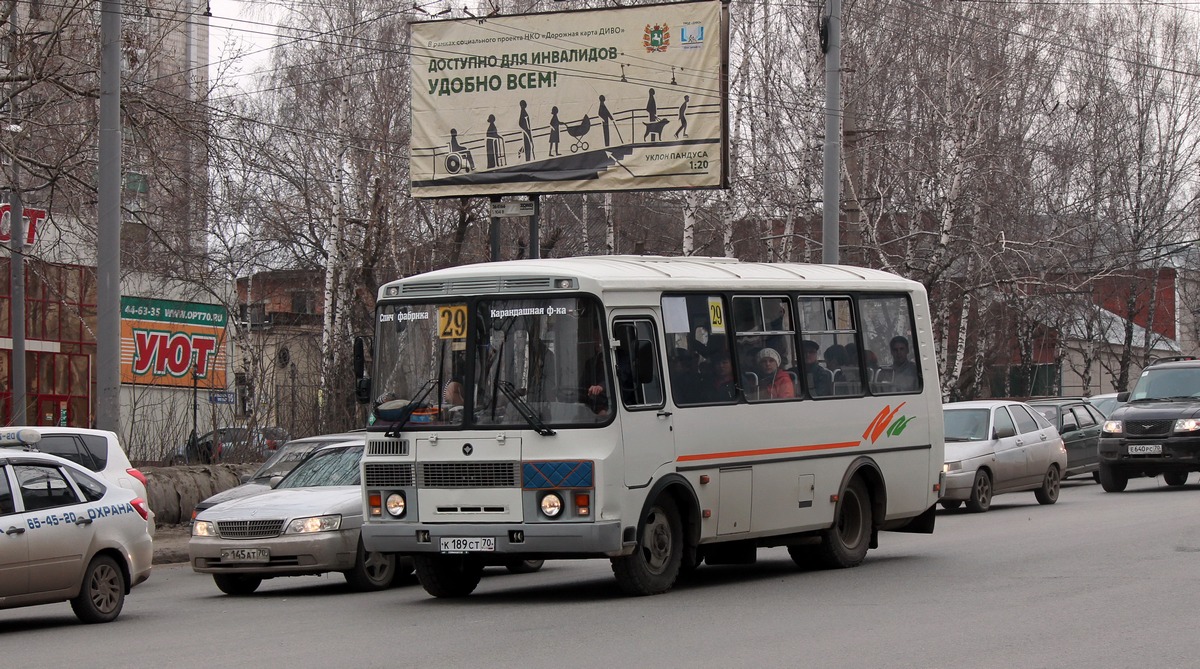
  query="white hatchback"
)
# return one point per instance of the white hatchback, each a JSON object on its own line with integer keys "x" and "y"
{"x": 66, "y": 535}
{"x": 99, "y": 451}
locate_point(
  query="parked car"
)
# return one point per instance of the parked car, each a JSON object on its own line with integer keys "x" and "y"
{"x": 1106, "y": 403}
{"x": 999, "y": 446}
{"x": 308, "y": 524}
{"x": 283, "y": 460}
{"x": 98, "y": 451}
{"x": 69, "y": 535}
{"x": 1157, "y": 430}
{"x": 1078, "y": 423}
{"x": 232, "y": 444}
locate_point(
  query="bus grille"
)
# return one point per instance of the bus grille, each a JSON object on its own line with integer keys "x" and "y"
{"x": 470, "y": 475}
{"x": 249, "y": 529}
{"x": 388, "y": 447}
{"x": 1148, "y": 427}
{"x": 388, "y": 475}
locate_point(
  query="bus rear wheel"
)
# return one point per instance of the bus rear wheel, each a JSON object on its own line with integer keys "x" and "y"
{"x": 845, "y": 543}
{"x": 654, "y": 565}
{"x": 448, "y": 575}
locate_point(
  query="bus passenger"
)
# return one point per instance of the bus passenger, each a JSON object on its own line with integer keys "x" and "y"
{"x": 774, "y": 383}
{"x": 721, "y": 386}
{"x": 820, "y": 380}
{"x": 685, "y": 377}
{"x": 904, "y": 372}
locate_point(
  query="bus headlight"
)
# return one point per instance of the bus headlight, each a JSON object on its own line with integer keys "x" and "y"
{"x": 396, "y": 504}
{"x": 551, "y": 505}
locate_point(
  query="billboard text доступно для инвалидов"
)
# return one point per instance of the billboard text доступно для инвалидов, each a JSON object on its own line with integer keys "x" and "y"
{"x": 631, "y": 98}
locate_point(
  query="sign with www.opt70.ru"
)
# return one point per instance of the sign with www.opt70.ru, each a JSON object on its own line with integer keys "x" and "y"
{"x": 172, "y": 343}
{"x": 631, "y": 98}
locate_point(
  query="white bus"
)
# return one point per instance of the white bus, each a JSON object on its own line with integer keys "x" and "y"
{"x": 658, "y": 412}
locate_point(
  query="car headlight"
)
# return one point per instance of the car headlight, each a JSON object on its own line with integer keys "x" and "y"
{"x": 952, "y": 466}
{"x": 396, "y": 504}
{"x": 203, "y": 528}
{"x": 314, "y": 524}
{"x": 1113, "y": 427}
{"x": 551, "y": 505}
{"x": 1187, "y": 425}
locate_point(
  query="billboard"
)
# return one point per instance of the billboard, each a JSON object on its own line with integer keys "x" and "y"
{"x": 630, "y": 98}
{"x": 171, "y": 343}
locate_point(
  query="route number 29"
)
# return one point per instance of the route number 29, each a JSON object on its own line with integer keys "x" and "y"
{"x": 452, "y": 322}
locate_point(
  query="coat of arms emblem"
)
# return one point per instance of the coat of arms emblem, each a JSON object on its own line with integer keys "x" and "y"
{"x": 656, "y": 38}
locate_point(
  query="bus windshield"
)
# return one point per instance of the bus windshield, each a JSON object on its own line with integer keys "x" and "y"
{"x": 534, "y": 361}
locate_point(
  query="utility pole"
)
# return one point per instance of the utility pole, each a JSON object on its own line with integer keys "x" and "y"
{"x": 16, "y": 229}
{"x": 831, "y": 44}
{"x": 108, "y": 244}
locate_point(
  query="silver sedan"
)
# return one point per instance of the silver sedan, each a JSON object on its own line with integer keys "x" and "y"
{"x": 999, "y": 446}
{"x": 308, "y": 524}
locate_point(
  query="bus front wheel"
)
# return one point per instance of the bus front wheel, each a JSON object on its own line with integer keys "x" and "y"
{"x": 845, "y": 544}
{"x": 654, "y": 565}
{"x": 448, "y": 575}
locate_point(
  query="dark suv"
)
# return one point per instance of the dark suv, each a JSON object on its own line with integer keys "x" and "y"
{"x": 1157, "y": 431}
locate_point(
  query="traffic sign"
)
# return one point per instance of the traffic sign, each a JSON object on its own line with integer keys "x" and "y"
{"x": 512, "y": 209}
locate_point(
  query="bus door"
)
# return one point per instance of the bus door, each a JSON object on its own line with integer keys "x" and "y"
{"x": 646, "y": 425}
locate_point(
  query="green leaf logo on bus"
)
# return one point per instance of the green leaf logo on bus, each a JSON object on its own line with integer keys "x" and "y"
{"x": 887, "y": 422}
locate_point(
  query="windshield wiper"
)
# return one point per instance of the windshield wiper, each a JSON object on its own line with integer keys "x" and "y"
{"x": 394, "y": 431}
{"x": 527, "y": 413}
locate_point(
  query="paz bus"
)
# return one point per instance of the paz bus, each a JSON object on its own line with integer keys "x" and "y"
{"x": 662, "y": 413}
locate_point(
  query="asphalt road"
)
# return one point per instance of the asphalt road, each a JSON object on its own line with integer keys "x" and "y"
{"x": 1097, "y": 580}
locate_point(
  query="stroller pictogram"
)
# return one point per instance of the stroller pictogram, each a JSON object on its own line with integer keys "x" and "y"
{"x": 578, "y": 132}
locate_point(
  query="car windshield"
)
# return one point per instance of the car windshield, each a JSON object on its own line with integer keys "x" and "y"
{"x": 330, "y": 467}
{"x": 286, "y": 458}
{"x": 526, "y": 362}
{"x": 966, "y": 424}
{"x": 1166, "y": 384}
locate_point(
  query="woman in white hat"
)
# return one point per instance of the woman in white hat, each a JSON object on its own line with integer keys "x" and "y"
{"x": 773, "y": 383}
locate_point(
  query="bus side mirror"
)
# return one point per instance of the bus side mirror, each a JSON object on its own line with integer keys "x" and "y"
{"x": 360, "y": 358}
{"x": 362, "y": 390}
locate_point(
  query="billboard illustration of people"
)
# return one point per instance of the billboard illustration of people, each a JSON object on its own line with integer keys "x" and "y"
{"x": 629, "y": 98}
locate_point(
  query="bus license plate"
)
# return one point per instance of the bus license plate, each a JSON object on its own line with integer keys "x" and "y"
{"x": 1145, "y": 449}
{"x": 468, "y": 544}
{"x": 245, "y": 555}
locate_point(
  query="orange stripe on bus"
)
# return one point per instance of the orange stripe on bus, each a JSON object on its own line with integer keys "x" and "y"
{"x": 767, "y": 451}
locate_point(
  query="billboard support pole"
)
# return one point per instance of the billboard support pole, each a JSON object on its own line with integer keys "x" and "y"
{"x": 494, "y": 230}
{"x": 535, "y": 249}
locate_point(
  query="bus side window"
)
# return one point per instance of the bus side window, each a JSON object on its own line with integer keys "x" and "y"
{"x": 639, "y": 375}
{"x": 889, "y": 342}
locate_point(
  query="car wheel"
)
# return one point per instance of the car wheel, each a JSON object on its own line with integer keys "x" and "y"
{"x": 1175, "y": 478}
{"x": 981, "y": 493}
{"x": 237, "y": 584}
{"x": 523, "y": 566}
{"x": 372, "y": 571}
{"x": 448, "y": 575}
{"x": 1096, "y": 476}
{"x": 1111, "y": 479}
{"x": 845, "y": 543}
{"x": 951, "y": 504}
{"x": 103, "y": 592}
{"x": 1048, "y": 493}
{"x": 654, "y": 565}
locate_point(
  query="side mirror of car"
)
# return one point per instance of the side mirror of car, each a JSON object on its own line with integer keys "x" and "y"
{"x": 1123, "y": 397}
{"x": 274, "y": 481}
{"x": 1069, "y": 427}
{"x": 1005, "y": 432}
